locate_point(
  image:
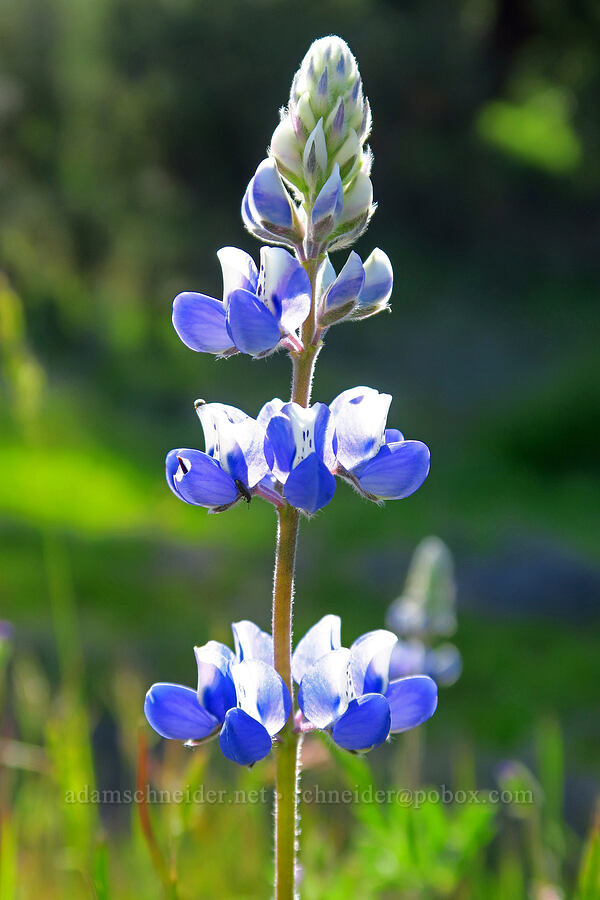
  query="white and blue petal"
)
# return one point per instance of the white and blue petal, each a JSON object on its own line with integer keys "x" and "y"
{"x": 370, "y": 661}
{"x": 377, "y": 288}
{"x": 294, "y": 433}
{"x": 284, "y": 288}
{"x": 322, "y": 638}
{"x": 314, "y": 156}
{"x": 346, "y": 288}
{"x": 280, "y": 446}
{"x": 252, "y": 327}
{"x": 214, "y": 418}
{"x": 262, "y": 693}
{"x": 330, "y": 200}
{"x": 313, "y": 431}
{"x": 310, "y": 485}
{"x": 173, "y": 712}
{"x": 360, "y": 415}
{"x": 220, "y": 655}
{"x": 325, "y": 277}
{"x": 412, "y": 701}
{"x": 251, "y": 642}
{"x": 201, "y": 324}
{"x": 268, "y": 200}
{"x": 270, "y": 409}
{"x": 326, "y": 689}
{"x": 398, "y": 470}
{"x": 239, "y": 271}
{"x": 243, "y": 739}
{"x": 235, "y": 440}
{"x": 198, "y": 479}
{"x": 393, "y": 435}
{"x": 252, "y": 223}
{"x": 365, "y": 724}
{"x": 216, "y": 691}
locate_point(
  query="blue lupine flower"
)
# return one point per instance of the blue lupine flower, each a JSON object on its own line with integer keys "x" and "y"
{"x": 300, "y": 451}
{"x": 240, "y": 697}
{"x": 305, "y": 448}
{"x": 375, "y": 459}
{"x": 359, "y": 291}
{"x": 232, "y": 466}
{"x": 350, "y": 694}
{"x": 294, "y": 453}
{"x": 258, "y": 310}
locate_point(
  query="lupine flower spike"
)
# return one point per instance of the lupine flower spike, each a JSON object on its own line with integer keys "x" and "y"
{"x": 306, "y": 448}
{"x": 231, "y": 468}
{"x": 260, "y": 308}
{"x": 312, "y": 195}
{"x": 424, "y": 613}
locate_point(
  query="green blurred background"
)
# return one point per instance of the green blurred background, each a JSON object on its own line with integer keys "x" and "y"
{"x": 129, "y": 131}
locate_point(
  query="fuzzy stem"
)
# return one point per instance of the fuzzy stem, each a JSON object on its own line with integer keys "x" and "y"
{"x": 283, "y": 590}
{"x": 287, "y": 754}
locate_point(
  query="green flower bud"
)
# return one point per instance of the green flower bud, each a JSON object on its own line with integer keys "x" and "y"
{"x": 327, "y": 122}
{"x": 286, "y": 151}
{"x": 356, "y": 212}
{"x": 314, "y": 158}
{"x": 320, "y": 144}
{"x": 328, "y": 73}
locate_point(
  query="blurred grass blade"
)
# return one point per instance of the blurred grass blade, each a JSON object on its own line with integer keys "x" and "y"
{"x": 100, "y": 872}
{"x": 588, "y": 887}
{"x": 64, "y": 612}
{"x": 8, "y": 861}
{"x": 165, "y": 873}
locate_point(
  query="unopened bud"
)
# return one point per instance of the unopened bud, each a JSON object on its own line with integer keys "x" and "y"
{"x": 328, "y": 72}
{"x": 267, "y": 209}
{"x": 343, "y": 294}
{"x": 356, "y": 213}
{"x": 327, "y": 122}
{"x": 284, "y": 148}
{"x": 377, "y": 289}
{"x": 327, "y": 207}
{"x": 348, "y": 156}
{"x": 314, "y": 157}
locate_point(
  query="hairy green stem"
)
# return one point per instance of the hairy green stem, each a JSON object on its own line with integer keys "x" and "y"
{"x": 283, "y": 590}
{"x": 287, "y": 755}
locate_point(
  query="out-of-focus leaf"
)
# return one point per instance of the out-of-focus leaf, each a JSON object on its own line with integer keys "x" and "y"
{"x": 537, "y": 132}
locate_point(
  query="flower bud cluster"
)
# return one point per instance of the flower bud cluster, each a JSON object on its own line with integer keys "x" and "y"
{"x": 318, "y": 153}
